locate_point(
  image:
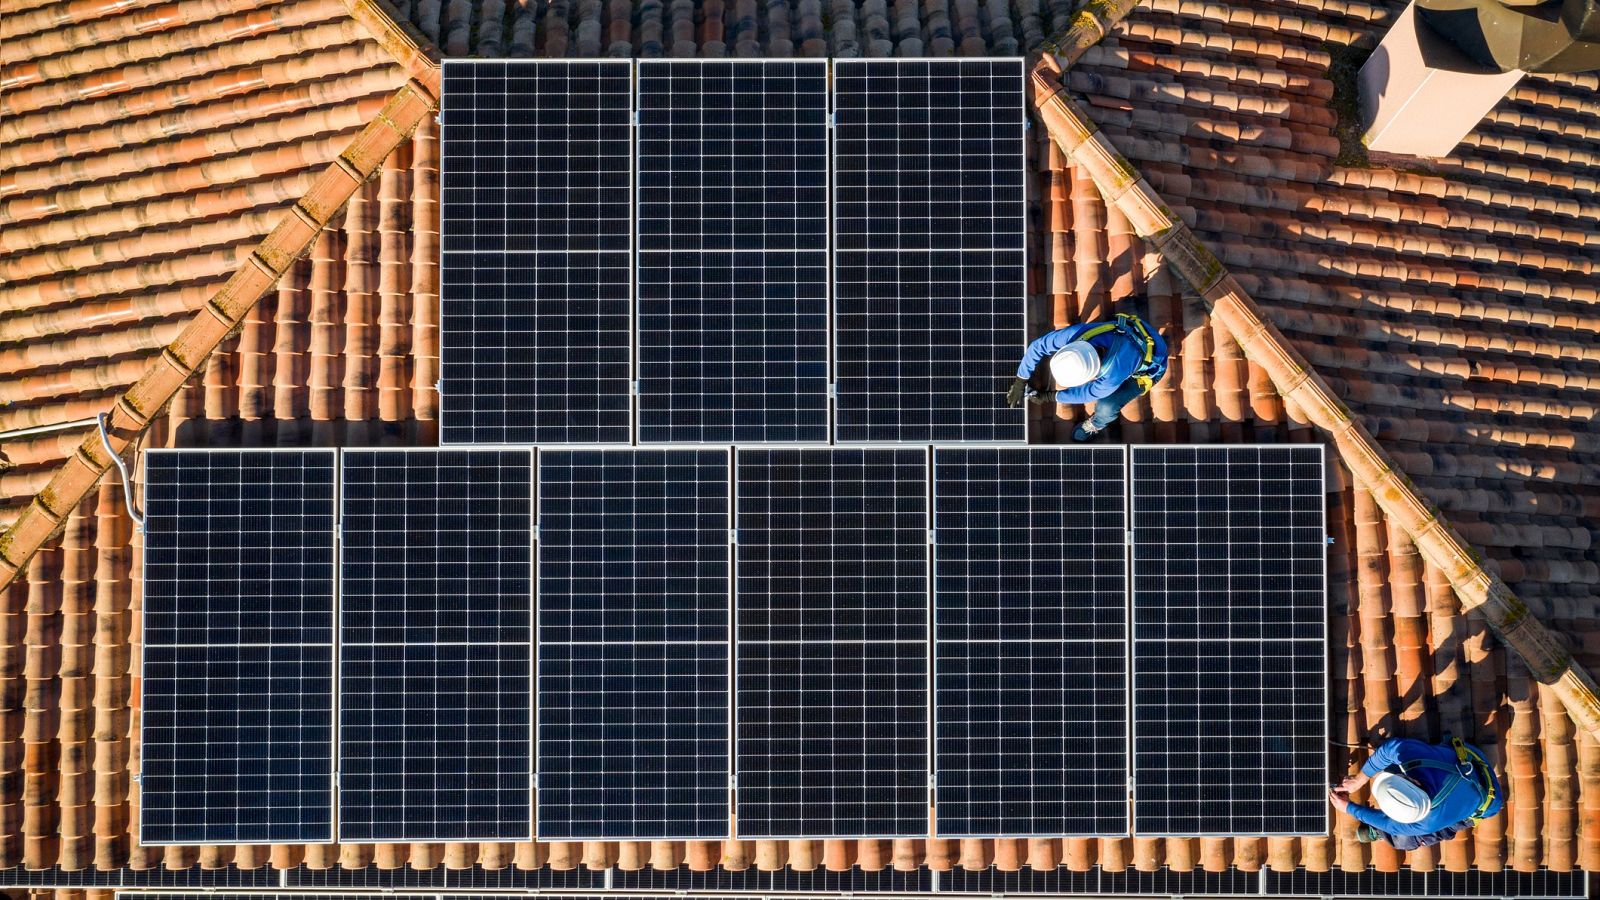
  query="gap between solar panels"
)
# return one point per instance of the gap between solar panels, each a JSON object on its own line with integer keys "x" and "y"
{"x": 838, "y": 641}
{"x": 731, "y": 251}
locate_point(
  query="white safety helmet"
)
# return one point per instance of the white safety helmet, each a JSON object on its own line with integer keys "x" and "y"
{"x": 1076, "y": 363}
{"x": 1400, "y": 798}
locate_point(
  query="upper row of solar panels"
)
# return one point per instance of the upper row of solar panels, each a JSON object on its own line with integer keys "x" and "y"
{"x": 858, "y": 636}
{"x": 727, "y": 251}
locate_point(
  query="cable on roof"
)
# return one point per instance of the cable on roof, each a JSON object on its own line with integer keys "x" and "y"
{"x": 122, "y": 467}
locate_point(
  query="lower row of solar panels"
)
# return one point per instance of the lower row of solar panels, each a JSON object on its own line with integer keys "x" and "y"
{"x": 746, "y": 632}
{"x": 1505, "y": 884}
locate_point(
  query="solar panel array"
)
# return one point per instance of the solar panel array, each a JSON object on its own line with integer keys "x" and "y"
{"x": 929, "y": 274}
{"x": 237, "y": 698}
{"x": 436, "y": 646}
{"x": 536, "y": 208}
{"x": 1030, "y": 629}
{"x": 732, "y": 214}
{"x": 733, "y": 250}
{"x": 832, "y": 642}
{"x": 1229, "y": 641}
{"x": 634, "y": 603}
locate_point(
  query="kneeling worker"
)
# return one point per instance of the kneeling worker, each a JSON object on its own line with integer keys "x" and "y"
{"x": 1426, "y": 793}
{"x": 1109, "y": 364}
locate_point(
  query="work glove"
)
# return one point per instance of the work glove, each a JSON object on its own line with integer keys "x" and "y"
{"x": 1040, "y": 398}
{"x": 1019, "y": 389}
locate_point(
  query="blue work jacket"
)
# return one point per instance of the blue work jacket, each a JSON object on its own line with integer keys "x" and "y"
{"x": 1455, "y": 799}
{"x": 1121, "y": 357}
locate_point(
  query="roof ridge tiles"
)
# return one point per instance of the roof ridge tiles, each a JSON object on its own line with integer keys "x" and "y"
{"x": 124, "y": 36}
{"x": 318, "y": 32}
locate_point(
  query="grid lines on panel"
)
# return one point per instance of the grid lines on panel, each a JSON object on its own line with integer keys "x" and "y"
{"x": 1229, "y": 640}
{"x": 633, "y": 655}
{"x": 1030, "y": 641}
{"x": 536, "y": 222}
{"x": 733, "y": 251}
{"x": 435, "y": 623}
{"x": 929, "y": 279}
{"x": 831, "y": 611}
{"x": 237, "y": 723}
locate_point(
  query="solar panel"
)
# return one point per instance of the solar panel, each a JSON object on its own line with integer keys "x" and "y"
{"x": 536, "y": 225}
{"x": 1229, "y": 641}
{"x": 1030, "y": 641}
{"x": 831, "y": 599}
{"x": 733, "y": 250}
{"x": 634, "y": 601}
{"x": 929, "y": 276}
{"x": 237, "y": 723}
{"x": 435, "y": 692}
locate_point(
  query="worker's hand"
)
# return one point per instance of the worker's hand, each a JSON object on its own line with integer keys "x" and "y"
{"x": 1351, "y": 784}
{"x": 1019, "y": 387}
{"x": 1339, "y": 799}
{"x": 1041, "y": 397}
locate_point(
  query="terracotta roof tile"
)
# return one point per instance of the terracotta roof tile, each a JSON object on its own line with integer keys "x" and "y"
{"x": 1441, "y": 331}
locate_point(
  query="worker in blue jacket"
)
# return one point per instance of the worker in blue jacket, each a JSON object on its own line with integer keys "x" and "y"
{"x": 1109, "y": 364}
{"x": 1426, "y": 793}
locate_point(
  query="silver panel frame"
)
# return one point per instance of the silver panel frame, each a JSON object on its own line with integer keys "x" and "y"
{"x": 833, "y": 231}
{"x": 827, "y": 251}
{"x": 538, "y": 642}
{"x": 533, "y": 611}
{"x": 1124, "y": 454}
{"x": 927, "y": 520}
{"x": 335, "y": 600}
{"x": 452, "y": 62}
{"x": 1133, "y": 451}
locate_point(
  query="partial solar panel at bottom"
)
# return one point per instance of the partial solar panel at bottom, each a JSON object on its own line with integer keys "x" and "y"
{"x": 237, "y": 708}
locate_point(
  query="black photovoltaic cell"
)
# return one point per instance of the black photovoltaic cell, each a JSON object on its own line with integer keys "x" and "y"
{"x": 929, "y": 273}
{"x": 832, "y": 641}
{"x": 237, "y": 724}
{"x": 733, "y": 250}
{"x": 536, "y": 219}
{"x": 1030, "y": 641}
{"x": 435, "y": 683}
{"x": 1229, "y": 652}
{"x": 634, "y": 600}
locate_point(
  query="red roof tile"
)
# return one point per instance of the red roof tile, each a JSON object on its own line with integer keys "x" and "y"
{"x": 1452, "y": 307}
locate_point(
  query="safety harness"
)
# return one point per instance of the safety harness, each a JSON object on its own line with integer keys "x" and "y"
{"x": 1470, "y": 764}
{"x": 1132, "y": 326}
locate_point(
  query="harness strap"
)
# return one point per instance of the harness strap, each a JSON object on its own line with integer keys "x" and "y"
{"x": 1469, "y": 765}
{"x": 1131, "y": 325}
{"x": 1472, "y": 759}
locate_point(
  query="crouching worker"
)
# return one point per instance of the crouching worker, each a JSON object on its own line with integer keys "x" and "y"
{"x": 1109, "y": 364}
{"x": 1426, "y": 793}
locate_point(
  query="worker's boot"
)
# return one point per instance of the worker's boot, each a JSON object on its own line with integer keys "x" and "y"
{"x": 1086, "y": 431}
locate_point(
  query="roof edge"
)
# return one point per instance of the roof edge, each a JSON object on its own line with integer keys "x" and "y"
{"x": 1298, "y": 382}
{"x": 402, "y": 40}
{"x": 131, "y": 414}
